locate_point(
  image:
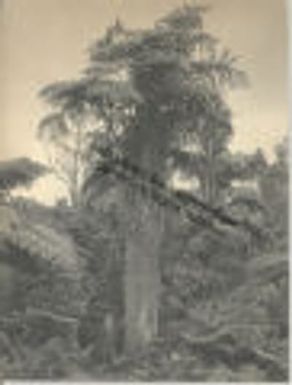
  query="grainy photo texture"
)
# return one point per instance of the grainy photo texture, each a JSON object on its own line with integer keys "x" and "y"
{"x": 144, "y": 190}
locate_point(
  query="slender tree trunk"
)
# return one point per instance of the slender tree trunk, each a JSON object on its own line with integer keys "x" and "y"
{"x": 142, "y": 275}
{"x": 75, "y": 180}
{"x": 209, "y": 188}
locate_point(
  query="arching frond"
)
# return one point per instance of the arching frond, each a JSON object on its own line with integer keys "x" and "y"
{"x": 20, "y": 172}
{"x": 47, "y": 245}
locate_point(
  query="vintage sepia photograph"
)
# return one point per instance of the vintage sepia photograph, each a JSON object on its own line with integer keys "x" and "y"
{"x": 144, "y": 190}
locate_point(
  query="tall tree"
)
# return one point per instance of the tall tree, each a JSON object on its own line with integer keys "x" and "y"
{"x": 175, "y": 69}
{"x": 65, "y": 132}
{"x": 151, "y": 89}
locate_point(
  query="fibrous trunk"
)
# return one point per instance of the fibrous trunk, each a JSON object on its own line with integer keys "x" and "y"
{"x": 142, "y": 275}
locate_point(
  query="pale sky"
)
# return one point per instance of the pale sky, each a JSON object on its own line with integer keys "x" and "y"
{"x": 46, "y": 40}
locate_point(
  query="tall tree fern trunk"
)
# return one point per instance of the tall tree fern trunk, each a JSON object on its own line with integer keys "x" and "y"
{"x": 145, "y": 148}
{"x": 142, "y": 275}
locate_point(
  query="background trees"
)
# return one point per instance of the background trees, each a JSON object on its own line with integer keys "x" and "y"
{"x": 65, "y": 132}
{"x": 274, "y": 187}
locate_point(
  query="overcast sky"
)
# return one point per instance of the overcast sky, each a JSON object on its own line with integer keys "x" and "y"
{"x": 46, "y": 40}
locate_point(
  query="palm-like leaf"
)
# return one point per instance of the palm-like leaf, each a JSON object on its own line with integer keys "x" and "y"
{"x": 46, "y": 243}
{"x": 20, "y": 172}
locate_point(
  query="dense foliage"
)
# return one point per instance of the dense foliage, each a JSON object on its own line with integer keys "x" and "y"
{"x": 149, "y": 104}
